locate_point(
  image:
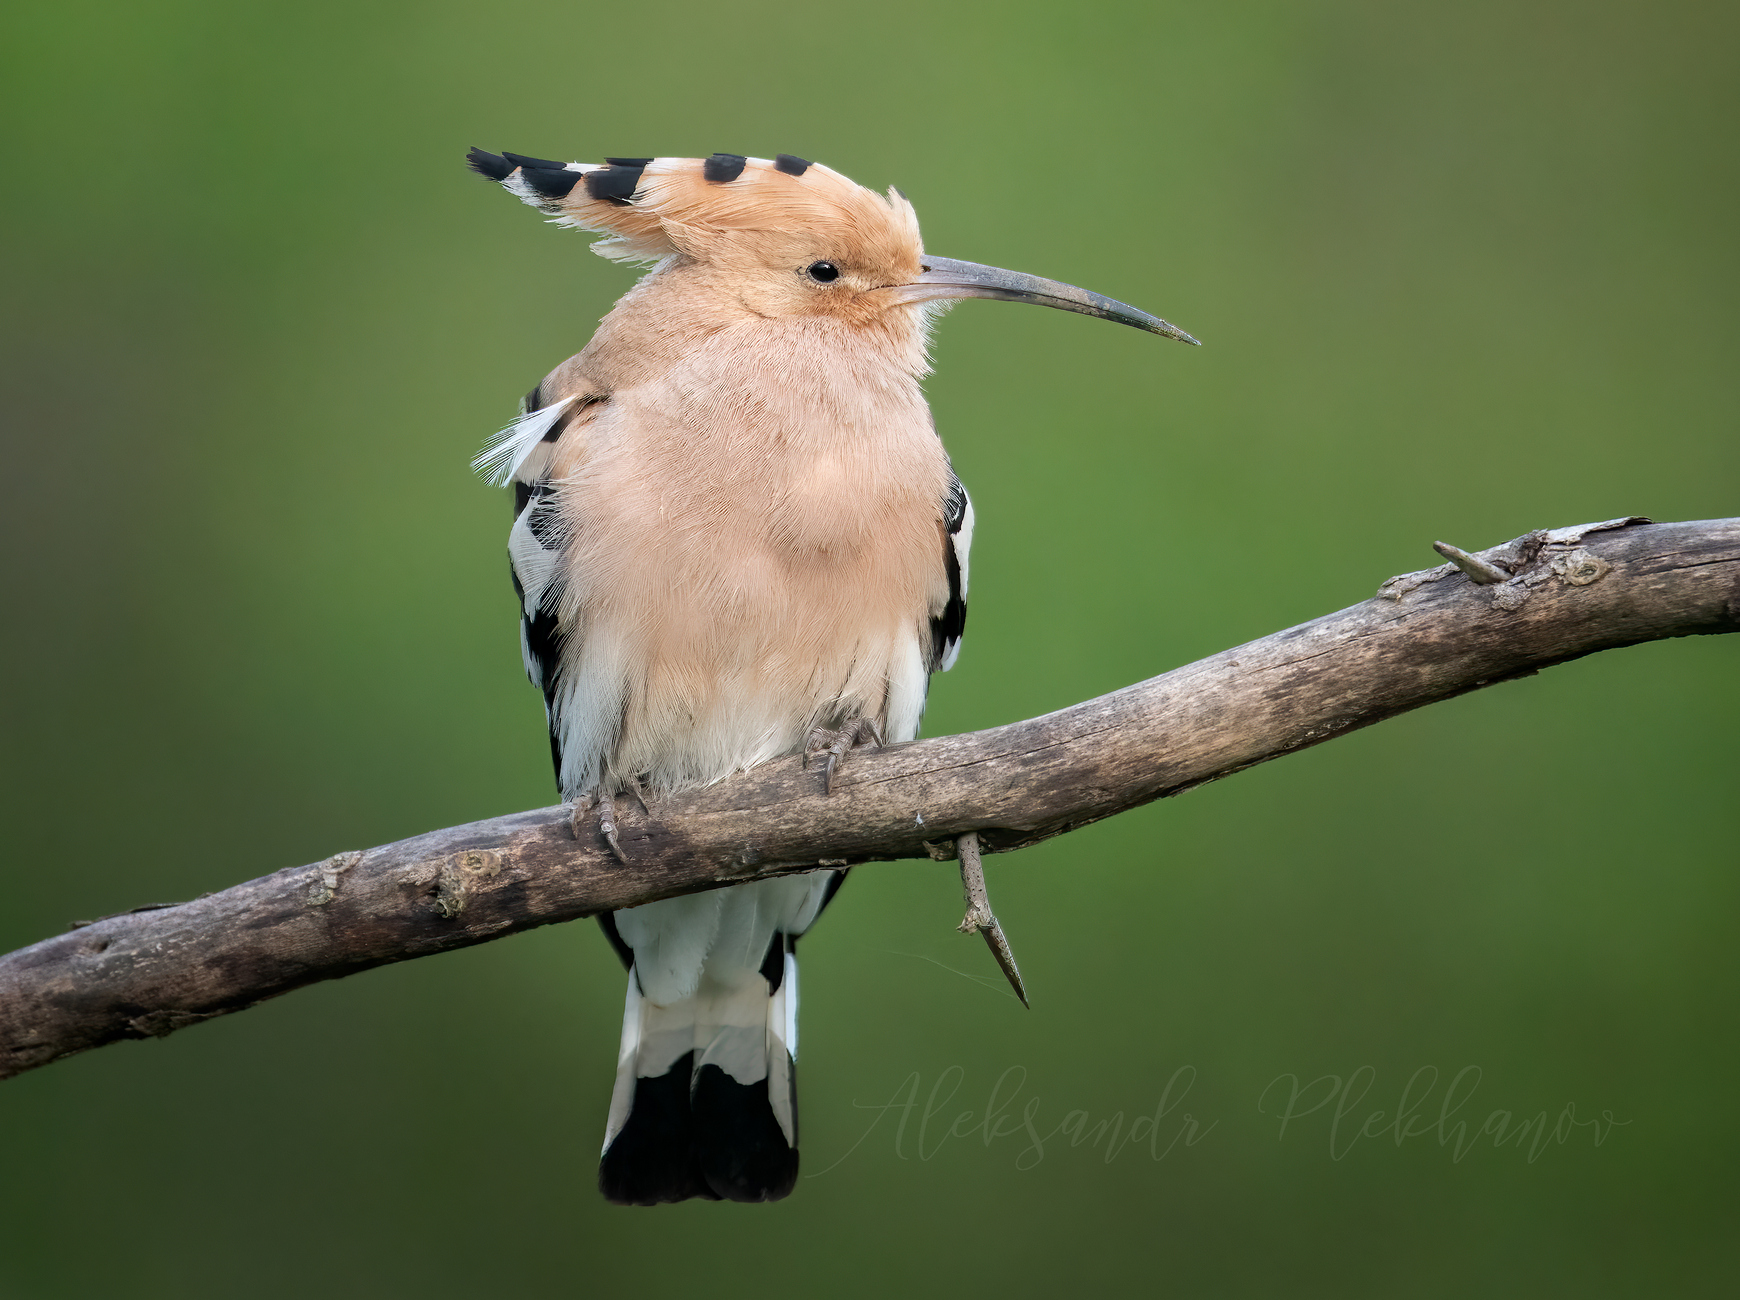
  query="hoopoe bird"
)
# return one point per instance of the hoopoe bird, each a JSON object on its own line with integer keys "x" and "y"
{"x": 736, "y": 536}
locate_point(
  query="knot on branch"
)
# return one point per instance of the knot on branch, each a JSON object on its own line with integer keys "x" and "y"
{"x": 325, "y": 876}
{"x": 459, "y": 877}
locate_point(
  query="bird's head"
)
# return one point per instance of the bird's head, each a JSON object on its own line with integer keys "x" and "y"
{"x": 782, "y": 237}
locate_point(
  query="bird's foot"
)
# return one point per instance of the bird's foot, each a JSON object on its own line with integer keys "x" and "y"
{"x": 606, "y": 805}
{"x": 836, "y": 744}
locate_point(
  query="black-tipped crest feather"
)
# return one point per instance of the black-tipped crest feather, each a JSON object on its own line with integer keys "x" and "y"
{"x": 488, "y": 164}
{"x": 551, "y": 184}
{"x": 520, "y": 160}
{"x": 613, "y": 184}
{"x": 723, "y": 168}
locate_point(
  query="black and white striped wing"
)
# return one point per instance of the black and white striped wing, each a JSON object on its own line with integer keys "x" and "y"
{"x": 948, "y": 625}
{"x": 521, "y": 455}
{"x": 534, "y": 564}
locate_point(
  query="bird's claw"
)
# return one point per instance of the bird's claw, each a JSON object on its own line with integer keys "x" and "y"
{"x": 606, "y": 805}
{"x": 837, "y": 744}
{"x": 607, "y": 826}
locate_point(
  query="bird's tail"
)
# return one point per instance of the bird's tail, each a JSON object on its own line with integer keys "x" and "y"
{"x": 706, "y": 1090}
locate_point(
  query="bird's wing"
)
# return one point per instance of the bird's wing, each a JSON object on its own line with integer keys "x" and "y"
{"x": 522, "y": 453}
{"x": 949, "y": 623}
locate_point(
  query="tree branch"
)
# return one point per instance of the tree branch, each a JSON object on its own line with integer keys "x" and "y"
{"x": 1425, "y": 637}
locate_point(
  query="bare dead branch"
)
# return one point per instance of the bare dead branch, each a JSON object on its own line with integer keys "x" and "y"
{"x": 1425, "y": 637}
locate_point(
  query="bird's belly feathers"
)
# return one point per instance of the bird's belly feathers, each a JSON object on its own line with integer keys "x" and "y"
{"x": 720, "y": 603}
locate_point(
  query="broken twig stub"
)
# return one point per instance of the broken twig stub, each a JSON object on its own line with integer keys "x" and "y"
{"x": 979, "y": 916}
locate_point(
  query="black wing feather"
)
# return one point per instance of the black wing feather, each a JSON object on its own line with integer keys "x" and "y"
{"x": 949, "y": 625}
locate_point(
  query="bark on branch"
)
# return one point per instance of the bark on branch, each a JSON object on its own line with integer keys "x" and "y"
{"x": 1503, "y": 613}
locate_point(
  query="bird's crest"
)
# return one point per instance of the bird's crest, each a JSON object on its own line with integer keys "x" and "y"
{"x": 651, "y": 208}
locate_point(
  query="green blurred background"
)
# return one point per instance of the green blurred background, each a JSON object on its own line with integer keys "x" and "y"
{"x": 1462, "y": 270}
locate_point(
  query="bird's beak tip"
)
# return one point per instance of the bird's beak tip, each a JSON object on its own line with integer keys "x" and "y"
{"x": 1167, "y": 330}
{"x": 944, "y": 277}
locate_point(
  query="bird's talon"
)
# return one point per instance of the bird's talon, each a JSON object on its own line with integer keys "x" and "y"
{"x": 607, "y": 829}
{"x": 837, "y": 744}
{"x": 607, "y": 826}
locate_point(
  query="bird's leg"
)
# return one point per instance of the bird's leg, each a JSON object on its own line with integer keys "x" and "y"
{"x": 979, "y": 916}
{"x": 836, "y": 744}
{"x": 605, "y": 801}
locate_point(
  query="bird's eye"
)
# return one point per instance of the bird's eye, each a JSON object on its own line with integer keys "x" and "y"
{"x": 823, "y": 272}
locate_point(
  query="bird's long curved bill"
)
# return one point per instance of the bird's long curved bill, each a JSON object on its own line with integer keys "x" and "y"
{"x": 945, "y": 277}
